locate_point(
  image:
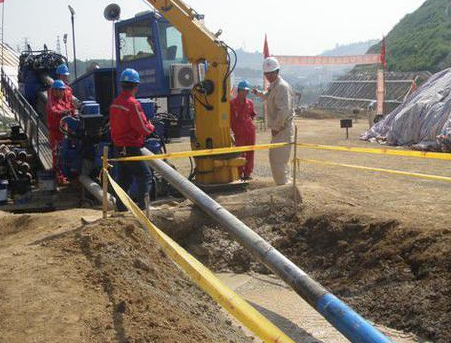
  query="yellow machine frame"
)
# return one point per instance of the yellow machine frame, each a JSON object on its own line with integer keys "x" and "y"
{"x": 211, "y": 104}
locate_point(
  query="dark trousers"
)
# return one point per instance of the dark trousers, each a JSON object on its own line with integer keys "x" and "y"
{"x": 127, "y": 172}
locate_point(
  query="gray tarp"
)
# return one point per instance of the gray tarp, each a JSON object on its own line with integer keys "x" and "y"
{"x": 422, "y": 121}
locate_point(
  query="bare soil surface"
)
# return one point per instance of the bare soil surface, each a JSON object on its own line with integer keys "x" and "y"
{"x": 380, "y": 242}
{"x": 424, "y": 203}
{"x": 398, "y": 273}
{"x": 394, "y": 274}
{"x": 107, "y": 281}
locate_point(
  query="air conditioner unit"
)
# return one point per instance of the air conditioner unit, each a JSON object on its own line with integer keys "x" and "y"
{"x": 183, "y": 76}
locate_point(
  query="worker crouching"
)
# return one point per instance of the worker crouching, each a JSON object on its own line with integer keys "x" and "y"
{"x": 129, "y": 127}
{"x": 280, "y": 113}
{"x": 242, "y": 114}
{"x": 56, "y": 108}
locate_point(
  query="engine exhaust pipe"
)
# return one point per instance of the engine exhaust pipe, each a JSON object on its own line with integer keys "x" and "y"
{"x": 342, "y": 317}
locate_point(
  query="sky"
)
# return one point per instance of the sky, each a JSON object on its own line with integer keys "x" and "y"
{"x": 296, "y": 27}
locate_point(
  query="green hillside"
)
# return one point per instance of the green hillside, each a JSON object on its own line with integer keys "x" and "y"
{"x": 421, "y": 40}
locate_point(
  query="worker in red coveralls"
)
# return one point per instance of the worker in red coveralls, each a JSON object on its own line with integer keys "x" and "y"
{"x": 242, "y": 114}
{"x": 129, "y": 128}
{"x": 62, "y": 73}
{"x": 56, "y": 108}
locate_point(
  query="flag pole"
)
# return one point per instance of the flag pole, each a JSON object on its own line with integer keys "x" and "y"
{"x": 265, "y": 84}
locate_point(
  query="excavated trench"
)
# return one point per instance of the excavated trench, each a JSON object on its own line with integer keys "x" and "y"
{"x": 392, "y": 274}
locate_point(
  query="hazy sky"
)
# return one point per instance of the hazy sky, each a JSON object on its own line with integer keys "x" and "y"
{"x": 296, "y": 27}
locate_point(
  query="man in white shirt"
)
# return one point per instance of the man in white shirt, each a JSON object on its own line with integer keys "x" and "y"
{"x": 279, "y": 104}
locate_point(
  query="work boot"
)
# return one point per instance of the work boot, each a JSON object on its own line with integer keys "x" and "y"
{"x": 62, "y": 180}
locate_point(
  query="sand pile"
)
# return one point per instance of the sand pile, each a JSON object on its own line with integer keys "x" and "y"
{"x": 102, "y": 282}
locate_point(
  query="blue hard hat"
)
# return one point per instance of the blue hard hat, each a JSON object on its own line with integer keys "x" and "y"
{"x": 130, "y": 75}
{"x": 244, "y": 85}
{"x": 58, "y": 84}
{"x": 62, "y": 69}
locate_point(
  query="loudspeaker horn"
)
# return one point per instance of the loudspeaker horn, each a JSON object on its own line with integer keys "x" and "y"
{"x": 112, "y": 12}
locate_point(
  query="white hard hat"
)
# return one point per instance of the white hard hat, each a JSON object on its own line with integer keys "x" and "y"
{"x": 270, "y": 64}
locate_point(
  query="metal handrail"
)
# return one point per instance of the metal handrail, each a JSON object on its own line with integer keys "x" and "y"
{"x": 26, "y": 116}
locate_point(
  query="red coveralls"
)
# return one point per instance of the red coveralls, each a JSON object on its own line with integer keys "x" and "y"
{"x": 129, "y": 127}
{"x": 67, "y": 98}
{"x": 241, "y": 115}
{"x": 55, "y": 111}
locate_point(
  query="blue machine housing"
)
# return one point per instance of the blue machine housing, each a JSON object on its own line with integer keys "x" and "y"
{"x": 98, "y": 85}
{"x": 152, "y": 58}
{"x": 154, "y": 74}
{"x": 151, "y": 45}
{"x": 34, "y": 69}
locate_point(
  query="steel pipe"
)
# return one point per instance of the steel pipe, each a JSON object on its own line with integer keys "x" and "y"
{"x": 342, "y": 317}
{"x": 96, "y": 191}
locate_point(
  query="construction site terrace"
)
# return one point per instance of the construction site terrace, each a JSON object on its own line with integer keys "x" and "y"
{"x": 380, "y": 242}
{"x": 355, "y": 247}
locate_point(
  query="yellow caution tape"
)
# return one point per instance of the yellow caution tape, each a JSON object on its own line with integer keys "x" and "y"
{"x": 392, "y": 152}
{"x": 206, "y": 280}
{"x": 198, "y": 153}
{"x": 388, "y": 171}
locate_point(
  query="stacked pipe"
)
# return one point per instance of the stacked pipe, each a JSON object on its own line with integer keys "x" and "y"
{"x": 15, "y": 172}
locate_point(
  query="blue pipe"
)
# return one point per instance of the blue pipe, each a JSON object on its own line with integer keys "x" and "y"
{"x": 349, "y": 323}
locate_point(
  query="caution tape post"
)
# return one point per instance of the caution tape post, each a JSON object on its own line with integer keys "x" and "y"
{"x": 295, "y": 160}
{"x": 105, "y": 181}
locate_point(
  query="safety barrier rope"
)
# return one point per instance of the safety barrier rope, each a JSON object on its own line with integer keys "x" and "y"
{"x": 392, "y": 152}
{"x": 388, "y": 171}
{"x": 231, "y": 150}
{"x": 200, "y": 153}
{"x": 205, "y": 279}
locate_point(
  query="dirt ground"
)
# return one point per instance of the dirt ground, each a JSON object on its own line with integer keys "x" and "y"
{"x": 381, "y": 243}
{"x": 424, "y": 203}
{"x": 64, "y": 280}
{"x": 394, "y": 273}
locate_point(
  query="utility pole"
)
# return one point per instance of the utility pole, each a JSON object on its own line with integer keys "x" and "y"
{"x": 58, "y": 44}
{"x": 65, "y": 45}
{"x": 72, "y": 17}
{"x": 26, "y": 44}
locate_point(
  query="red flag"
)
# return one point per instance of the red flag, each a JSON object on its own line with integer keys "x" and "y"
{"x": 414, "y": 86}
{"x": 383, "y": 54}
{"x": 265, "y": 47}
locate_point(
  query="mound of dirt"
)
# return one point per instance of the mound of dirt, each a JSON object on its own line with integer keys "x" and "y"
{"x": 102, "y": 282}
{"x": 395, "y": 275}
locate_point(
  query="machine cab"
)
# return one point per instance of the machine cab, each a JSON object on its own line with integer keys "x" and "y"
{"x": 152, "y": 46}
